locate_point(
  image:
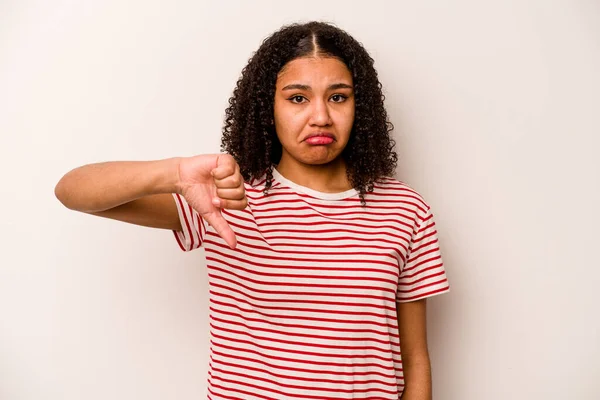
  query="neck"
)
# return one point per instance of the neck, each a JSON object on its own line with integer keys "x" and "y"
{"x": 326, "y": 178}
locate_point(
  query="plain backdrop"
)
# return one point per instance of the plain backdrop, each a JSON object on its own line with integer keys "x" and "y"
{"x": 496, "y": 106}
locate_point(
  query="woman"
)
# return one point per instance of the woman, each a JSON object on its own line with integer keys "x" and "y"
{"x": 319, "y": 262}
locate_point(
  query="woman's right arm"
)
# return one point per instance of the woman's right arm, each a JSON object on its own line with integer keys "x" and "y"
{"x": 138, "y": 192}
{"x": 141, "y": 192}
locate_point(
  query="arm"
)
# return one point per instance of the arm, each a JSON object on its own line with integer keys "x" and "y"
{"x": 137, "y": 192}
{"x": 140, "y": 192}
{"x": 415, "y": 355}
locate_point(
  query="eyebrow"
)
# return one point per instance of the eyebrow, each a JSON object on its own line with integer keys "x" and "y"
{"x": 334, "y": 86}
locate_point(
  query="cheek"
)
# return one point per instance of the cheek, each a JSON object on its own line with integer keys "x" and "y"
{"x": 280, "y": 121}
{"x": 288, "y": 123}
{"x": 346, "y": 120}
{"x": 284, "y": 129}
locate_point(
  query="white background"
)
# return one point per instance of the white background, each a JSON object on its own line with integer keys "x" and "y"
{"x": 496, "y": 107}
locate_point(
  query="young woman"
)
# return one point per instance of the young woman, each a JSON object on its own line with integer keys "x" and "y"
{"x": 319, "y": 262}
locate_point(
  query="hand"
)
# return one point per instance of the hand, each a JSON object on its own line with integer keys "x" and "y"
{"x": 209, "y": 183}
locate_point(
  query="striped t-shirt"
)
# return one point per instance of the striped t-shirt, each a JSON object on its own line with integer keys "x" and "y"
{"x": 305, "y": 306}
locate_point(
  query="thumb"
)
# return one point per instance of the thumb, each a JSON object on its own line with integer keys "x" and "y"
{"x": 216, "y": 220}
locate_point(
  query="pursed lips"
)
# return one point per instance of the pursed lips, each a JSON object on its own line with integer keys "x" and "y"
{"x": 320, "y": 134}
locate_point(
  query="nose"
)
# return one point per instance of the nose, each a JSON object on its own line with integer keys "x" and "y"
{"x": 320, "y": 114}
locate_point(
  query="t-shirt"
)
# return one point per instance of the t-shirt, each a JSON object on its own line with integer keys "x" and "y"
{"x": 305, "y": 306}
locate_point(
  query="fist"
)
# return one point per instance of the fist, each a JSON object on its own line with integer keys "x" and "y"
{"x": 210, "y": 183}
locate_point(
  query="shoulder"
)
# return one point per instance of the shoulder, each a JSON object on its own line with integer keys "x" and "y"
{"x": 392, "y": 190}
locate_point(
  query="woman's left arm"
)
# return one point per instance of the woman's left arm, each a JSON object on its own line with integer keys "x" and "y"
{"x": 412, "y": 327}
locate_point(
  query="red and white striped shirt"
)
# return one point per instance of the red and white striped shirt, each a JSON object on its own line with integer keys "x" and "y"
{"x": 305, "y": 306}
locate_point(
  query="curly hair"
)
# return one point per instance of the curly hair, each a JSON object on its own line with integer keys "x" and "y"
{"x": 249, "y": 132}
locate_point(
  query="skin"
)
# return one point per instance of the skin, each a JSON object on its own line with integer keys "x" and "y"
{"x": 412, "y": 328}
{"x": 314, "y": 94}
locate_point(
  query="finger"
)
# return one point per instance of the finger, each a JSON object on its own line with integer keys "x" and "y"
{"x": 230, "y": 204}
{"x": 226, "y": 166}
{"x": 225, "y": 159}
{"x": 231, "y": 181}
{"x": 220, "y": 225}
{"x": 221, "y": 173}
{"x": 231, "y": 194}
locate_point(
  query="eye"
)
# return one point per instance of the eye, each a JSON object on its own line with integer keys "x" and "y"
{"x": 297, "y": 99}
{"x": 338, "y": 98}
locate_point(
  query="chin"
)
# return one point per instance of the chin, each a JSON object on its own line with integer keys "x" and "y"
{"x": 316, "y": 156}
{"x": 316, "y": 160}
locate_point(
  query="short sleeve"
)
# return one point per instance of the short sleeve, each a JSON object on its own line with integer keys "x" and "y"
{"x": 423, "y": 274}
{"x": 192, "y": 224}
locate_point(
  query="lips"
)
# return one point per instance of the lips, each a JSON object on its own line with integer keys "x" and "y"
{"x": 321, "y": 135}
{"x": 319, "y": 138}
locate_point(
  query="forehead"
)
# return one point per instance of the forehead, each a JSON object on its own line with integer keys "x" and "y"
{"x": 314, "y": 71}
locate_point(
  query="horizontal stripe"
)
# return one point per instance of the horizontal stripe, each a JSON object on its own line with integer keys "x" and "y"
{"x": 318, "y": 378}
{"x": 294, "y": 293}
{"x": 245, "y": 362}
{"x": 257, "y": 387}
{"x": 304, "y": 387}
{"x": 287, "y": 261}
{"x": 313, "y": 302}
{"x": 328, "y": 277}
{"x": 308, "y": 346}
{"x": 254, "y": 309}
{"x": 373, "y": 368}
{"x": 289, "y": 333}
{"x": 291, "y": 240}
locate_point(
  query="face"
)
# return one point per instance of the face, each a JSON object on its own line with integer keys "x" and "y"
{"x": 314, "y": 110}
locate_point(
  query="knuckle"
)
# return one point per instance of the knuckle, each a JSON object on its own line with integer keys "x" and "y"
{"x": 225, "y": 172}
{"x": 239, "y": 204}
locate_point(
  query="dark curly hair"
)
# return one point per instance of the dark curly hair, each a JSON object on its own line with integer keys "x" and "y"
{"x": 249, "y": 132}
